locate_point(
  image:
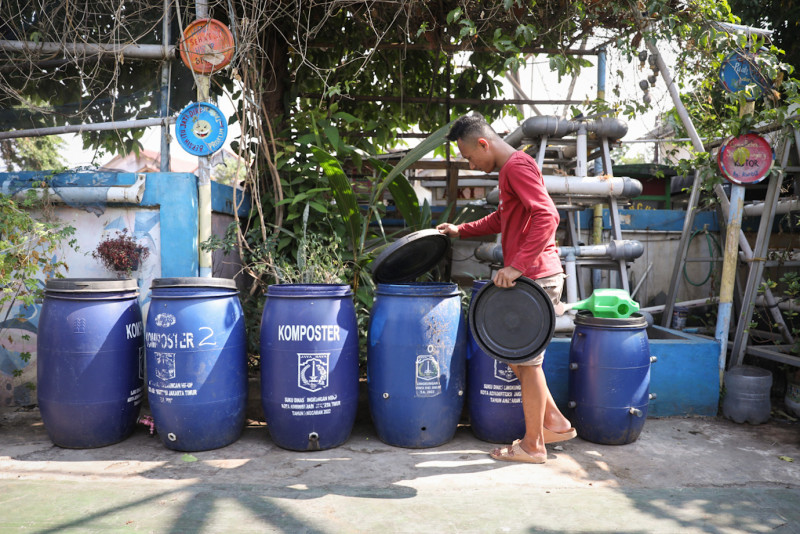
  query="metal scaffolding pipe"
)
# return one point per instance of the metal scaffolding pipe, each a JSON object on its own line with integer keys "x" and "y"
{"x": 80, "y": 128}
{"x": 128, "y": 50}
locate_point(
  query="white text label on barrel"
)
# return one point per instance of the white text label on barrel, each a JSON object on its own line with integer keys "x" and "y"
{"x": 308, "y": 332}
{"x": 428, "y": 371}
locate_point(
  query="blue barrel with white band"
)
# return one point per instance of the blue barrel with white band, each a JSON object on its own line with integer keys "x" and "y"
{"x": 494, "y": 394}
{"x": 309, "y": 365}
{"x": 609, "y": 378}
{"x": 90, "y": 361}
{"x": 416, "y": 359}
{"x": 196, "y": 362}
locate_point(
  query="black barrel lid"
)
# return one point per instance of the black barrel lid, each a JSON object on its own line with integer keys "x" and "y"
{"x": 90, "y": 285}
{"x": 514, "y": 324}
{"x": 194, "y": 281}
{"x": 410, "y": 256}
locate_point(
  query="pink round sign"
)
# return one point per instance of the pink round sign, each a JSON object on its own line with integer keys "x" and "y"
{"x": 746, "y": 159}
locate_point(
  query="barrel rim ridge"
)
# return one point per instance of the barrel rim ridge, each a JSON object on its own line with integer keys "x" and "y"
{"x": 418, "y": 289}
{"x": 585, "y": 318}
{"x": 90, "y": 285}
{"x": 194, "y": 281}
{"x": 309, "y": 290}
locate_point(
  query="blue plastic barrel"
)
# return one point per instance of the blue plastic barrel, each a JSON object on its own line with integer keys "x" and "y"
{"x": 196, "y": 362}
{"x": 494, "y": 395}
{"x": 90, "y": 361}
{"x": 609, "y": 379}
{"x": 416, "y": 359}
{"x": 309, "y": 365}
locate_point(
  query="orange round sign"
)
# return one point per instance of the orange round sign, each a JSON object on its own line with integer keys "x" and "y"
{"x": 207, "y": 46}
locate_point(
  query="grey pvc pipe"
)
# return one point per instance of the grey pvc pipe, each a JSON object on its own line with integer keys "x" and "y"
{"x": 128, "y": 50}
{"x": 95, "y": 127}
{"x": 616, "y": 250}
{"x": 588, "y": 186}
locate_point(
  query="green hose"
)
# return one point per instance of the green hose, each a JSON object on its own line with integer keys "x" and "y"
{"x": 710, "y": 239}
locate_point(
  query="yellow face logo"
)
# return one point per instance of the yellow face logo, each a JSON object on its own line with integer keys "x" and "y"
{"x": 202, "y": 128}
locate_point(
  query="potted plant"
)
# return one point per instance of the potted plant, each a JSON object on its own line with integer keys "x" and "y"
{"x": 121, "y": 254}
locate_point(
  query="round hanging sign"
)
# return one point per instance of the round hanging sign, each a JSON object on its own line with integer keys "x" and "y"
{"x": 746, "y": 159}
{"x": 201, "y": 128}
{"x": 740, "y": 70}
{"x": 207, "y": 46}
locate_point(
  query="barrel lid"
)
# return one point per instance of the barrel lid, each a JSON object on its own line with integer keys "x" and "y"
{"x": 194, "y": 281}
{"x": 636, "y": 320}
{"x": 90, "y": 285}
{"x": 410, "y": 256}
{"x": 513, "y": 324}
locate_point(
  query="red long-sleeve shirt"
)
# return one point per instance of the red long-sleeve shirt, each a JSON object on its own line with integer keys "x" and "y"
{"x": 526, "y": 219}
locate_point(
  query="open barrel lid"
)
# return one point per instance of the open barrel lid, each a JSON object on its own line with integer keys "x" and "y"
{"x": 514, "y": 324}
{"x": 410, "y": 256}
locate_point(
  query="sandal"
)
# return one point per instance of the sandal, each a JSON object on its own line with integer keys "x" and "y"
{"x": 515, "y": 453}
{"x": 555, "y": 437}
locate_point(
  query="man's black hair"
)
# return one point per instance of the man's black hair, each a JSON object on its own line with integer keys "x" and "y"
{"x": 473, "y": 125}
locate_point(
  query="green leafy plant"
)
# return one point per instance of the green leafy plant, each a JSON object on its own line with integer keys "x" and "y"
{"x": 28, "y": 248}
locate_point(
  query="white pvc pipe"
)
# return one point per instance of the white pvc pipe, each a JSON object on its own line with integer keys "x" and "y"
{"x": 130, "y": 194}
{"x": 593, "y": 186}
{"x": 784, "y": 206}
{"x": 687, "y": 303}
{"x": 787, "y": 305}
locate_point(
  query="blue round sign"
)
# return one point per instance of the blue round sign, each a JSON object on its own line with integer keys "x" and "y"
{"x": 740, "y": 70}
{"x": 201, "y": 128}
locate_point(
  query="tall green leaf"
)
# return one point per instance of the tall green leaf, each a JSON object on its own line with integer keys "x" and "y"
{"x": 346, "y": 201}
{"x": 415, "y": 154}
{"x": 406, "y": 202}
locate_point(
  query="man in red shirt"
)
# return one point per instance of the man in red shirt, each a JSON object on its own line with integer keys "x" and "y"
{"x": 527, "y": 220}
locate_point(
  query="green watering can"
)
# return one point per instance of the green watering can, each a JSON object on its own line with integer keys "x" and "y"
{"x": 607, "y": 303}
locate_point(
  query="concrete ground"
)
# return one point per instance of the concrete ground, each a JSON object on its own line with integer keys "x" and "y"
{"x": 682, "y": 475}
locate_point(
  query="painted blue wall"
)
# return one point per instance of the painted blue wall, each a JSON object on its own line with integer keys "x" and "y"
{"x": 175, "y": 194}
{"x": 685, "y": 378}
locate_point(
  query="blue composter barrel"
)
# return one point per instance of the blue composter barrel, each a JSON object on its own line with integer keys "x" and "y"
{"x": 494, "y": 395}
{"x": 416, "y": 359}
{"x": 309, "y": 365}
{"x": 196, "y": 362}
{"x": 89, "y": 361}
{"x": 609, "y": 378}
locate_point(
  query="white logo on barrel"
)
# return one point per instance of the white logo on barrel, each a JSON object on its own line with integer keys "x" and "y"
{"x": 165, "y": 320}
{"x": 312, "y": 370}
{"x": 165, "y": 365}
{"x": 428, "y": 373}
{"x": 503, "y": 372}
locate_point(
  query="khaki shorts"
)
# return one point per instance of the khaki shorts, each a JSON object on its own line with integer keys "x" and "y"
{"x": 553, "y": 286}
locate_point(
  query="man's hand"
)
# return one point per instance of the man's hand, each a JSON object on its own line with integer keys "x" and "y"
{"x": 505, "y": 277}
{"x": 448, "y": 229}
